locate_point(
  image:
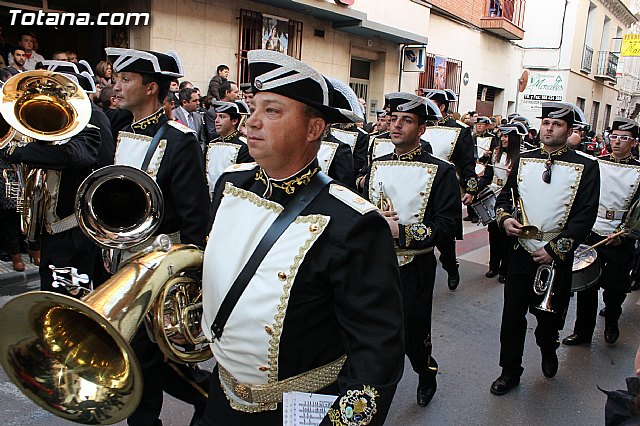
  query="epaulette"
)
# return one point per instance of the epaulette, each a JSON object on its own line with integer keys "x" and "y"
{"x": 362, "y": 130}
{"x": 351, "y": 199}
{"x": 590, "y": 157}
{"x": 243, "y": 139}
{"x": 241, "y": 167}
{"x": 462, "y": 124}
{"x": 444, "y": 160}
{"x": 181, "y": 127}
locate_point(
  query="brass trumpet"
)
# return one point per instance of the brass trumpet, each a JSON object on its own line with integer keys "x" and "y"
{"x": 544, "y": 286}
{"x": 384, "y": 202}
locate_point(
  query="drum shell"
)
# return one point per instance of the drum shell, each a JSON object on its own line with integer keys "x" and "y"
{"x": 585, "y": 277}
{"x": 485, "y": 207}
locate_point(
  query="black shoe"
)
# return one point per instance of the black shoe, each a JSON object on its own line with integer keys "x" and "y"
{"x": 502, "y": 279}
{"x": 635, "y": 286}
{"x": 549, "y": 364}
{"x": 491, "y": 274}
{"x": 426, "y": 389}
{"x": 575, "y": 339}
{"x": 468, "y": 218}
{"x": 454, "y": 279}
{"x": 504, "y": 384}
{"x": 611, "y": 333}
{"x": 602, "y": 312}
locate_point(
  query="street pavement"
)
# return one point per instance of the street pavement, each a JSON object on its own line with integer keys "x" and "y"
{"x": 466, "y": 327}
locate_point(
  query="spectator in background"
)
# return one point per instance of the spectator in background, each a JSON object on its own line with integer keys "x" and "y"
{"x": 222, "y": 74}
{"x": 72, "y": 56}
{"x": 59, "y": 56}
{"x": 228, "y": 92}
{"x": 185, "y": 85}
{"x": 104, "y": 74}
{"x": 175, "y": 86}
{"x": 18, "y": 56}
{"x": 32, "y": 57}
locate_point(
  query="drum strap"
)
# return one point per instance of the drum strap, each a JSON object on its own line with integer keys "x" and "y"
{"x": 153, "y": 146}
{"x": 300, "y": 201}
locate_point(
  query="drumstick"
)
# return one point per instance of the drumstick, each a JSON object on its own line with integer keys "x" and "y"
{"x": 615, "y": 234}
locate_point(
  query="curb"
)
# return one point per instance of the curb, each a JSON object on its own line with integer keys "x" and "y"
{"x": 19, "y": 277}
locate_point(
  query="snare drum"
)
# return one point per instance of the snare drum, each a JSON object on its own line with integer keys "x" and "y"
{"x": 485, "y": 207}
{"x": 586, "y": 269}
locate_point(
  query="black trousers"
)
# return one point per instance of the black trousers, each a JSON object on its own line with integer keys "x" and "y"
{"x": 70, "y": 249}
{"x": 500, "y": 247}
{"x": 10, "y": 230}
{"x": 520, "y": 297}
{"x": 616, "y": 263}
{"x": 160, "y": 376}
{"x": 448, "y": 255}
{"x": 417, "y": 279}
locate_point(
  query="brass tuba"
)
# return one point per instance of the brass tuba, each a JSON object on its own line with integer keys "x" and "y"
{"x": 44, "y": 106}
{"x": 72, "y": 357}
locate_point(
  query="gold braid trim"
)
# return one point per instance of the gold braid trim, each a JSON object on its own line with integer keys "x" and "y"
{"x": 357, "y": 407}
{"x": 288, "y": 186}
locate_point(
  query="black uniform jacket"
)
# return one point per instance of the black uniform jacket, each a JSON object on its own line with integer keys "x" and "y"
{"x": 345, "y": 298}
{"x": 442, "y": 213}
{"x": 463, "y": 156}
{"x": 583, "y": 212}
{"x": 341, "y": 168}
{"x": 181, "y": 178}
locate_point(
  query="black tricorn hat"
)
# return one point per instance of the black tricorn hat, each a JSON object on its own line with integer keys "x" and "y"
{"x": 514, "y": 126}
{"x": 278, "y": 73}
{"x": 232, "y": 108}
{"x": 66, "y": 66}
{"x": 245, "y": 87}
{"x": 69, "y": 69}
{"x": 519, "y": 119}
{"x": 564, "y": 111}
{"x": 483, "y": 120}
{"x": 346, "y": 101}
{"x": 442, "y": 96}
{"x": 145, "y": 61}
{"x": 626, "y": 124}
{"x": 414, "y": 104}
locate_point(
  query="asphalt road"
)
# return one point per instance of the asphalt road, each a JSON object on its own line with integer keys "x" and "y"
{"x": 466, "y": 345}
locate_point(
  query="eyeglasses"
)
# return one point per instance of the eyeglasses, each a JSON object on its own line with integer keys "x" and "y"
{"x": 546, "y": 174}
{"x": 621, "y": 138}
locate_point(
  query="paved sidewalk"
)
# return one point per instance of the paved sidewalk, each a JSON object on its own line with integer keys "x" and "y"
{"x": 9, "y": 276}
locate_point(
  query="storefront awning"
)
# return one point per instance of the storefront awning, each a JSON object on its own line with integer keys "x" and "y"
{"x": 349, "y": 20}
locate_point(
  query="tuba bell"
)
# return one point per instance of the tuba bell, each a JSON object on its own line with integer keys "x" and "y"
{"x": 72, "y": 357}
{"x": 38, "y": 106}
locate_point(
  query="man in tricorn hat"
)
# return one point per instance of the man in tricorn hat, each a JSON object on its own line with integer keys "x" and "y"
{"x": 558, "y": 191}
{"x": 451, "y": 140}
{"x": 620, "y": 179}
{"x": 423, "y": 210}
{"x": 301, "y": 288}
{"x": 176, "y": 162}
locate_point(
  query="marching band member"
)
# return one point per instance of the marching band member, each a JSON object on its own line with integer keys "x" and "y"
{"x": 67, "y": 254}
{"x": 301, "y": 290}
{"x": 177, "y": 165}
{"x": 451, "y": 140}
{"x": 503, "y": 158}
{"x": 423, "y": 211}
{"x": 230, "y": 147}
{"x": 559, "y": 194}
{"x": 620, "y": 178}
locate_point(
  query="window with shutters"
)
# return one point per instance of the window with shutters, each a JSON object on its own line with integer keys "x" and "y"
{"x": 453, "y": 77}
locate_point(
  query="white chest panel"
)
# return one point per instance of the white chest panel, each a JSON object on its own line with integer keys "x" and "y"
{"x": 326, "y": 153}
{"x": 132, "y": 148}
{"x": 220, "y": 155}
{"x": 252, "y": 333}
{"x": 442, "y": 139}
{"x": 382, "y": 147}
{"x": 483, "y": 143}
{"x": 344, "y": 136}
{"x": 618, "y": 184}
{"x": 500, "y": 172}
{"x": 547, "y": 205}
{"x": 408, "y": 185}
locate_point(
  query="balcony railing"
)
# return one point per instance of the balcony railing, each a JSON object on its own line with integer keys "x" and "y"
{"x": 504, "y": 18}
{"x": 607, "y": 65}
{"x": 587, "y": 58}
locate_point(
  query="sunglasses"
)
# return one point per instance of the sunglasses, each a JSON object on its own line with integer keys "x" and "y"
{"x": 546, "y": 174}
{"x": 621, "y": 138}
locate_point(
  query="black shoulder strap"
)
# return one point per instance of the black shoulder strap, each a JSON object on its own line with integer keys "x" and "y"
{"x": 153, "y": 146}
{"x": 291, "y": 211}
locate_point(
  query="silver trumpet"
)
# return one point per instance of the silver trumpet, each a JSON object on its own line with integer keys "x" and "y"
{"x": 544, "y": 286}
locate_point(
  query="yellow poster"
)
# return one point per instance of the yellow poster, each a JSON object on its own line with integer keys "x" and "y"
{"x": 630, "y": 45}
